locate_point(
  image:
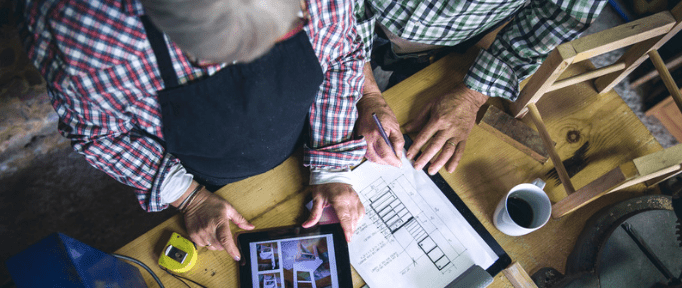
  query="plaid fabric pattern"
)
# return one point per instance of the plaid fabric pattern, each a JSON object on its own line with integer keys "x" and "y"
{"x": 516, "y": 53}
{"x": 102, "y": 77}
{"x": 332, "y": 116}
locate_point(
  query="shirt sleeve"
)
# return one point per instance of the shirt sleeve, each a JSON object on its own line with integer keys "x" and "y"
{"x": 333, "y": 114}
{"x": 526, "y": 41}
{"x": 97, "y": 115}
{"x": 116, "y": 147}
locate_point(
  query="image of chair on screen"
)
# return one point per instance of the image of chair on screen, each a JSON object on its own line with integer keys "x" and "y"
{"x": 270, "y": 280}
{"x": 268, "y": 256}
{"x": 306, "y": 263}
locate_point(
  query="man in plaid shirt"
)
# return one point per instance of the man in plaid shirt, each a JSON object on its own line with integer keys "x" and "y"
{"x": 164, "y": 121}
{"x": 415, "y": 31}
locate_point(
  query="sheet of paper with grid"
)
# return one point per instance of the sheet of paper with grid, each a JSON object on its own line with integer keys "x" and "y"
{"x": 412, "y": 235}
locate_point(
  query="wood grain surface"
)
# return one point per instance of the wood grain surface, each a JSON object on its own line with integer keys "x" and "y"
{"x": 593, "y": 133}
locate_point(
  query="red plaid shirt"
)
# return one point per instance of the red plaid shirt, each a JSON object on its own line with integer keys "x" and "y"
{"x": 103, "y": 77}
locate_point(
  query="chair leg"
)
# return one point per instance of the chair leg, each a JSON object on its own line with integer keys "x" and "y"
{"x": 295, "y": 278}
{"x": 666, "y": 77}
{"x": 312, "y": 279}
{"x": 549, "y": 145}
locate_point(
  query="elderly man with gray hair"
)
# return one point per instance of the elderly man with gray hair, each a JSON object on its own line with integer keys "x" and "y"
{"x": 170, "y": 95}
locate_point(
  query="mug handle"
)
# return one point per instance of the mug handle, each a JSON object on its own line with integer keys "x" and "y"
{"x": 538, "y": 182}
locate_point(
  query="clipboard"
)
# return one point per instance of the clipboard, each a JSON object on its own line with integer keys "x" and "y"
{"x": 393, "y": 237}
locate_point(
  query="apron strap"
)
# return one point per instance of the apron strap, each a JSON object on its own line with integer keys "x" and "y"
{"x": 161, "y": 52}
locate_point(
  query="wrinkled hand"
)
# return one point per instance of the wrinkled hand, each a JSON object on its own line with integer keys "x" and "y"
{"x": 345, "y": 201}
{"x": 445, "y": 124}
{"x": 207, "y": 219}
{"x": 377, "y": 149}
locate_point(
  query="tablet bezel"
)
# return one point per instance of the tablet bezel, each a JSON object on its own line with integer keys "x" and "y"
{"x": 245, "y": 238}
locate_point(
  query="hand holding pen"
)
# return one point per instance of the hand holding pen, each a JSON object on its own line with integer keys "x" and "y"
{"x": 383, "y": 149}
{"x": 383, "y": 133}
{"x": 371, "y": 106}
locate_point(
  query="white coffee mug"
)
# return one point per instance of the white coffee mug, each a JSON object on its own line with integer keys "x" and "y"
{"x": 530, "y": 209}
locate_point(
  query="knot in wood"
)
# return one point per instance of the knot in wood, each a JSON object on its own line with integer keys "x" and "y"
{"x": 573, "y": 136}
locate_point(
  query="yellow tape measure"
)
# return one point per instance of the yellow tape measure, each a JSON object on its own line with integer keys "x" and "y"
{"x": 179, "y": 255}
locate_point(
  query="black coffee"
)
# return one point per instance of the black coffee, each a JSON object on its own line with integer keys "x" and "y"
{"x": 520, "y": 211}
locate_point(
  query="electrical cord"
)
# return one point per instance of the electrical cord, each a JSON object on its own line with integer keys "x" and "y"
{"x": 176, "y": 277}
{"x": 181, "y": 279}
{"x": 158, "y": 281}
{"x": 138, "y": 262}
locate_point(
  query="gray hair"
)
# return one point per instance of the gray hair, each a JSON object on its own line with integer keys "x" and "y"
{"x": 223, "y": 30}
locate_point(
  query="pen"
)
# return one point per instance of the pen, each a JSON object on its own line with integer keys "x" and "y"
{"x": 383, "y": 133}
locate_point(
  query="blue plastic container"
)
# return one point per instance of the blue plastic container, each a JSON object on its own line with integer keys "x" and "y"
{"x": 61, "y": 261}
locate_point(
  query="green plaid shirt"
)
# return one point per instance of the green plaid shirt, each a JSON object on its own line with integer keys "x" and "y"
{"x": 516, "y": 53}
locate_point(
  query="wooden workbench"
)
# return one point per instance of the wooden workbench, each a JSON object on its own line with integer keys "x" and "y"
{"x": 606, "y": 129}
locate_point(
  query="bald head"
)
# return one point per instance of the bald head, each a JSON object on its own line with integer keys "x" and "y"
{"x": 223, "y": 30}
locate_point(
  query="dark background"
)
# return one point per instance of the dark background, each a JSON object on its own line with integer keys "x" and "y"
{"x": 45, "y": 187}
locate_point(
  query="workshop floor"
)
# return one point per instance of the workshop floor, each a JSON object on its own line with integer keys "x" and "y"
{"x": 62, "y": 193}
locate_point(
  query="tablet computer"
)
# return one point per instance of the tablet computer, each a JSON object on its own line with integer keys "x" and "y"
{"x": 291, "y": 257}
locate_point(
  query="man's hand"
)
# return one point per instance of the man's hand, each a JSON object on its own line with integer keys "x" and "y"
{"x": 445, "y": 124}
{"x": 345, "y": 201}
{"x": 207, "y": 219}
{"x": 372, "y": 102}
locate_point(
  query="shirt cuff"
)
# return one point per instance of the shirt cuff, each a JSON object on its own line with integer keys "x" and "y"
{"x": 323, "y": 176}
{"x": 175, "y": 184}
{"x": 150, "y": 199}
{"x": 338, "y": 156}
{"x": 491, "y": 76}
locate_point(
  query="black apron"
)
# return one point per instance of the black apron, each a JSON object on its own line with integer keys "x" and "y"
{"x": 243, "y": 120}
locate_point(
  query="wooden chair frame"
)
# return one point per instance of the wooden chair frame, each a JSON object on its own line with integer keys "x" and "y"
{"x": 647, "y": 34}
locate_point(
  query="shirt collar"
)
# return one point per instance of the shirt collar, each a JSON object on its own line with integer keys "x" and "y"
{"x": 132, "y": 7}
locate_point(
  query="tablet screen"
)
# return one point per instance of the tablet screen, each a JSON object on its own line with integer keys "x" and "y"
{"x": 307, "y": 261}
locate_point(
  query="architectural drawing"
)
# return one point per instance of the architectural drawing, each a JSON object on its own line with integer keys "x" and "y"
{"x": 412, "y": 235}
{"x": 403, "y": 226}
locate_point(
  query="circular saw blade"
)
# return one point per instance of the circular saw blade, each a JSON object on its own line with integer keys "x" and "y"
{"x": 677, "y": 207}
{"x": 678, "y": 231}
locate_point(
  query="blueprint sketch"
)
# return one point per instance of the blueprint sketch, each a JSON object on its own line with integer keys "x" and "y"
{"x": 411, "y": 236}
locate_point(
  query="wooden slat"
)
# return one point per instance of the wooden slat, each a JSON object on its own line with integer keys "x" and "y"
{"x": 587, "y": 76}
{"x": 666, "y": 77}
{"x": 659, "y": 179}
{"x": 514, "y": 132}
{"x": 658, "y": 161}
{"x": 643, "y": 178}
{"x": 633, "y": 57}
{"x": 593, "y": 190}
{"x": 652, "y": 166}
{"x": 636, "y": 54}
{"x": 655, "y": 166}
{"x": 622, "y": 35}
{"x": 549, "y": 145}
{"x": 555, "y": 64}
{"x": 518, "y": 276}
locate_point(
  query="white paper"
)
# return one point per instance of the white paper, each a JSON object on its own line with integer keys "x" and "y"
{"x": 411, "y": 236}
